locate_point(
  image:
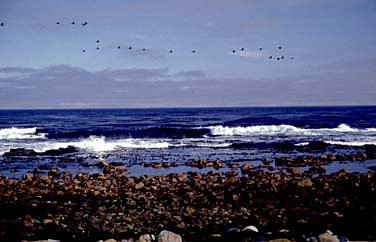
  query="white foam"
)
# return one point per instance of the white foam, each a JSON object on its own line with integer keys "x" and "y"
{"x": 302, "y": 144}
{"x": 350, "y": 143}
{"x": 284, "y": 129}
{"x": 101, "y": 144}
{"x": 21, "y": 133}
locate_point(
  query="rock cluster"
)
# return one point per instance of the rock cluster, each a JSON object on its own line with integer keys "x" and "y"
{"x": 30, "y": 152}
{"x": 199, "y": 207}
{"x": 323, "y": 159}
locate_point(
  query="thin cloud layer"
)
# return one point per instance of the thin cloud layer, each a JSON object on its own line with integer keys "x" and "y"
{"x": 66, "y": 86}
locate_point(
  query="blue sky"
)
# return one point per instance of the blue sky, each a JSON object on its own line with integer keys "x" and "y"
{"x": 42, "y": 64}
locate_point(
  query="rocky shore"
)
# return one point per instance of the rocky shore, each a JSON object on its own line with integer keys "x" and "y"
{"x": 292, "y": 204}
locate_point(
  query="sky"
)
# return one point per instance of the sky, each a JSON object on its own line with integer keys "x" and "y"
{"x": 329, "y": 50}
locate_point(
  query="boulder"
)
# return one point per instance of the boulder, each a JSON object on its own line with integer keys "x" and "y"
{"x": 20, "y": 152}
{"x": 328, "y": 236}
{"x": 60, "y": 151}
{"x": 168, "y": 236}
{"x": 146, "y": 238}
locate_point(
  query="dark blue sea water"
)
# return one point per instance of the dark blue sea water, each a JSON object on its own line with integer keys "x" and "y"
{"x": 132, "y": 136}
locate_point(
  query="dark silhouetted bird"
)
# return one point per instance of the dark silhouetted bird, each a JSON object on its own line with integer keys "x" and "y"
{"x": 57, "y": 22}
{"x": 282, "y": 57}
{"x": 270, "y": 57}
{"x": 292, "y": 58}
{"x": 119, "y": 47}
{"x": 97, "y": 48}
{"x": 242, "y": 49}
{"x": 260, "y": 48}
{"x": 84, "y": 24}
{"x": 73, "y": 22}
{"x": 193, "y": 51}
{"x": 233, "y": 51}
{"x": 280, "y": 47}
{"x": 171, "y": 51}
{"x": 278, "y": 58}
{"x": 2, "y": 24}
{"x": 83, "y": 50}
{"x": 143, "y": 49}
{"x": 97, "y": 41}
{"x": 130, "y": 48}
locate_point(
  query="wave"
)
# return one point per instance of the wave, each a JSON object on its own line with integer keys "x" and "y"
{"x": 283, "y": 129}
{"x": 21, "y": 133}
{"x": 99, "y": 144}
{"x": 351, "y": 143}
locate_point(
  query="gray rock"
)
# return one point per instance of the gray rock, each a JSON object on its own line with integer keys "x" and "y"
{"x": 167, "y": 236}
{"x": 328, "y": 236}
{"x": 146, "y": 238}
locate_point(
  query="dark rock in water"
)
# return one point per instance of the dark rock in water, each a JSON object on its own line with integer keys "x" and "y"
{"x": 102, "y": 163}
{"x": 60, "y": 151}
{"x": 372, "y": 168}
{"x": 21, "y": 152}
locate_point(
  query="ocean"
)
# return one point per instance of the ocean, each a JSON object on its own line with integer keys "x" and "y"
{"x": 132, "y": 137}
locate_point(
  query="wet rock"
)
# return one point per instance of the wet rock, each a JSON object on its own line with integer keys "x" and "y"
{"x": 168, "y": 236}
{"x": 20, "y": 152}
{"x": 60, "y": 151}
{"x": 102, "y": 163}
{"x": 246, "y": 168}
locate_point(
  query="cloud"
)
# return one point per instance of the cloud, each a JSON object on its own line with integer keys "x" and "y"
{"x": 65, "y": 86}
{"x": 248, "y": 53}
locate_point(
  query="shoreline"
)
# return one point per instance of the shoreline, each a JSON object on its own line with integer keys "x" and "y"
{"x": 288, "y": 204}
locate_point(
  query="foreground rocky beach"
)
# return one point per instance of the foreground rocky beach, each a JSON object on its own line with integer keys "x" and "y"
{"x": 287, "y": 203}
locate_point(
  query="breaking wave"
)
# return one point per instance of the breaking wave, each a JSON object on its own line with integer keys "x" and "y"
{"x": 284, "y": 129}
{"x": 21, "y": 133}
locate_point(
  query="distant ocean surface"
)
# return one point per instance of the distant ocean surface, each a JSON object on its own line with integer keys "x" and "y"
{"x": 133, "y": 136}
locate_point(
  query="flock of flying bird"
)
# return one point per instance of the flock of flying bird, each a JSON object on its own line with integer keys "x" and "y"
{"x": 281, "y": 57}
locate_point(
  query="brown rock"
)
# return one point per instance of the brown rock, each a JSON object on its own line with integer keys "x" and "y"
{"x": 139, "y": 185}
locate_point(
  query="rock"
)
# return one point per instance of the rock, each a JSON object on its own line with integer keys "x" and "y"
{"x": 146, "y": 238}
{"x": 60, "y": 151}
{"x": 168, "y": 236}
{"x": 20, "y": 152}
{"x": 250, "y": 228}
{"x": 305, "y": 183}
{"x": 110, "y": 240}
{"x": 372, "y": 168}
{"x": 246, "y": 167}
{"x": 139, "y": 185}
{"x": 102, "y": 163}
{"x": 279, "y": 240}
{"x": 328, "y": 237}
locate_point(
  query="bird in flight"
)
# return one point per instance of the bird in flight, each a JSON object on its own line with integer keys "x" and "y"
{"x": 233, "y": 51}
{"x": 57, "y": 22}
{"x": 84, "y": 24}
{"x": 270, "y": 57}
{"x": 2, "y": 24}
{"x": 193, "y": 51}
{"x": 280, "y": 47}
{"x": 171, "y": 51}
{"x": 97, "y": 41}
{"x": 119, "y": 47}
{"x": 143, "y": 49}
{"x": 242, "y": 49}
{"x": 73, "y": 22}
{"x": 130, "y": 48}
{"x": 260, "y": 48}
